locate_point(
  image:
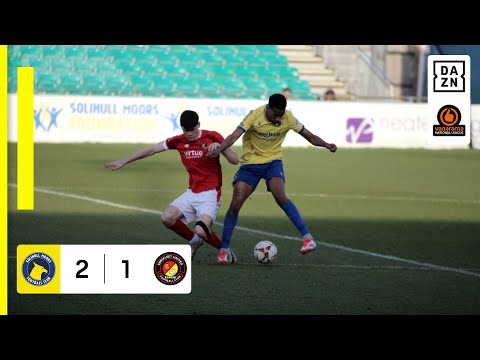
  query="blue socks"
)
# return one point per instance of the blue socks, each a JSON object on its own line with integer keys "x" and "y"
{"x": 290, "y": 209}
{"x": 228, "y": 225}
{"x": 294, "y": 215}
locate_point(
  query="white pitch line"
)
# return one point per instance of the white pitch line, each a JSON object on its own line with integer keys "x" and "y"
{"x": 318, "y": 195}
{"x": 260, "y": 232}
{"x": 332, "y": 266}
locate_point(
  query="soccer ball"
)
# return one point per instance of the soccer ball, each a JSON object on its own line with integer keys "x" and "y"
{"x": 265, "y": 252}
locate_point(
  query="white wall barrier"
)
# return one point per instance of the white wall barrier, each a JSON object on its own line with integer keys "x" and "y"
{"x": 70, "y": 119}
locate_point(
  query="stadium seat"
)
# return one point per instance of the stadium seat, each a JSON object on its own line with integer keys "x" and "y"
{"x": 83, "y": 66}
{"x": 225, "y": 49}
{"x": 47, "y": 80}
{"x": 186, "y": 87}
{"x": 247, "y": 50}
{"x": 62, "y": 66}
{"x": 92, "y": 81}
{"x": 75, "y": 53}
{"x": 215, "y": 71}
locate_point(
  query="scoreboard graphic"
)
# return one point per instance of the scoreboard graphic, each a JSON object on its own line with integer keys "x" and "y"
{"x": 103, "y": 269}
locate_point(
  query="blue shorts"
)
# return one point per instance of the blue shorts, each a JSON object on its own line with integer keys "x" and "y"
{"x": 251, "y": 174}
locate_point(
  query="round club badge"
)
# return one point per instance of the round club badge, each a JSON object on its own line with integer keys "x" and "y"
{"x": 38, "y": 269}
{"x": 170, "y": 268}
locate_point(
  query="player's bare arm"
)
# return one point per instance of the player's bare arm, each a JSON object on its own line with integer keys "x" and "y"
{"x": 229, "y": 154}
{"x": 317, "y": 141}
{"x": 229, "y": 141}
{"x": 140, "y": 154}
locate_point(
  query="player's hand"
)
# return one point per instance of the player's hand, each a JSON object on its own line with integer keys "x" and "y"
{"x": 213, "y": 146}
{"x": 115, "y": 165}
{"x": 213, "y": 154}
{"x": 332, "y": 147}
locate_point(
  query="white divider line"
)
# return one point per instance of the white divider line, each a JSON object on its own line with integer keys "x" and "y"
{"x": 266, "y": 233}
{"x": 332, "y": 266}
{"x": 319, "y": 195}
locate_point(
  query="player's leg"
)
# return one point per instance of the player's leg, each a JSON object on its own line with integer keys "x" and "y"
{"x": 172, "y": 219}
{"x": 244, "y": 183}
{"x": 276, "y": 185}
{"x": 203, "y": 228}
{"x": 178, "y": 214}
{"x": 241, "y": 192}
{"x": 206, "y": 205}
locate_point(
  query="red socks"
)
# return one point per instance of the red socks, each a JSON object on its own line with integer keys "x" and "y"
{"x": 214, "y": 240}
{"x": 183, "y": 230}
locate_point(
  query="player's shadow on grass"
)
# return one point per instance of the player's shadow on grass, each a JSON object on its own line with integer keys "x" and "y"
{"x": 449, "y": 242}
{"x": 344, "y": 278}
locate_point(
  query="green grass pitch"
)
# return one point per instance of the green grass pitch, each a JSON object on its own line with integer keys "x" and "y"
{"x": 397, "y": 231}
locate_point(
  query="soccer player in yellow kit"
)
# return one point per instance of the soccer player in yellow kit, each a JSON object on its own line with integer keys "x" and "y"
{"x": 264, "y": 130}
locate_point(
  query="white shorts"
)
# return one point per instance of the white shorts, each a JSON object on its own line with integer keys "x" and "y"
{"x": 192, "y": 205}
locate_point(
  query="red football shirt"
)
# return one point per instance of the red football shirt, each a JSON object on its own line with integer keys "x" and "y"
{"x": 204, "y": 174}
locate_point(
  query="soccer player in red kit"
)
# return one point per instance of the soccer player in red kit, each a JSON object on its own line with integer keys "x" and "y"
{"x": 201, "y": 200}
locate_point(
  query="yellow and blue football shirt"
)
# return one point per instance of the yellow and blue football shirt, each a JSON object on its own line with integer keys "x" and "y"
{"x": 262, "y": 141}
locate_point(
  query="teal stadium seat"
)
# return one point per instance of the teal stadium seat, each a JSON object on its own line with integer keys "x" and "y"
{"x": 154, "y": 69}
{"x": 247, "y": 50}
{"x": 166, "y": 58}
{"x": 202, "y": 49}
{"x": 190, "y": 59}
{"x": 267, "y": 74}
{"x": 212, "y": 60}
{"x": 115, "y": 53}
{"x": 209, "y": 88}
{"x": 218, "y": 71}
{"x": 180, "y": 50}
{"x": 277, "y": 61}
{"x": 267, "y": 50}
{"x": 71, "y": 85}
{"x": 231, "y": 88}
{"x": 82, "y": 66}
{"x": 246, "y": 73}
{"x": 223, "y": 72}
{"x": 163, "y": 87}
{"x": 37, "y": 63}
{"x": 31, "y": 50}
{"x": 186, "y": 87}
{"x": 141, "y": 84}
{"x": 130, "y": 68}
{"x": 105, "y": 67}
{"x": 175, "y": 71}
{"x": 47, "y": 81}
{"x": 255, "y": 87}
{"x": 234, "y": 61}
{"x": 62, "y": 65}
{"x": 116, "y": 82}
{"x": 257, "y": 62}
{"x": 146, "y": 59}
{"x": 52, "y": 52}
{"x": 225, "y": 49}
{"x": 75, "y": 53}
{"x": 199, "y": 72}
{"x": 159, "y": 49}
{"x": 92, "y": 81}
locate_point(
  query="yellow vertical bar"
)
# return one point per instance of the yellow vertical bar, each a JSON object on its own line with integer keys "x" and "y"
{"x": 3, "y": 183}
{"x": 25, "y": 139}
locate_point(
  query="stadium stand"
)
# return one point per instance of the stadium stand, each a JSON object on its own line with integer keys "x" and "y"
{"x": 211, "y": 71}
{"x": 312, "y": 68}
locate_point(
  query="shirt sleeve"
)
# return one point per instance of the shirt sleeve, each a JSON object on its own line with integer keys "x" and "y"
{"x": 247, "y": 121}
{"x": 294, "y": 123}
{"x": 171, "y": 143}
